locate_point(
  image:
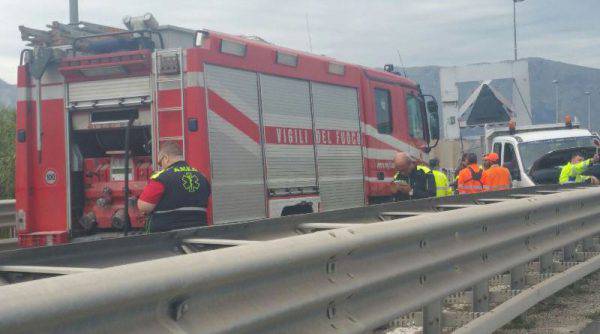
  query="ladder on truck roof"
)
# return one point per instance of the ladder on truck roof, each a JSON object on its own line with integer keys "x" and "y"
{"x": 169, "y": 118}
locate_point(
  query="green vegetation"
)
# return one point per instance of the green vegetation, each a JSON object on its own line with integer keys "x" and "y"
{"x": 7, "y": 153}
{"x": 520, "y": 322}
{"x": 551, "y": 303}
{"x": 595, "y": 315}
{"x": 577, "y": 288}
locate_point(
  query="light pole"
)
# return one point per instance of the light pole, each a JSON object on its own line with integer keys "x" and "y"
{"x": 515, "y": 24}
{"x": 589, "y": 111}
{"x": 556, "y": 112}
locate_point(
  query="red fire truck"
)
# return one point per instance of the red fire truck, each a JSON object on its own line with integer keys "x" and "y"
{"x": 277, "y": 131}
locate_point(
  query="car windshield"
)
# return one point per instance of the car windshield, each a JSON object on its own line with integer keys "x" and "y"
{"x": 533, "y": 150}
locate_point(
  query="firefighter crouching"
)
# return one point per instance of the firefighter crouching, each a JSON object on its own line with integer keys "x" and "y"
{"x": 441, "y": 180}
{"x": 411, "y": 181}
{"x": 469, "y": 178}
{"x": 495, "y": 177}
{"x": 573, "y": 171}
{"x": 176, "y": 196}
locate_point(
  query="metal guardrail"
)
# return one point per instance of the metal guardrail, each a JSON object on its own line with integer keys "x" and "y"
{"x": 345, "y": 280}
{"x": 101, "y": 251}
{"x": 8, "y": 223}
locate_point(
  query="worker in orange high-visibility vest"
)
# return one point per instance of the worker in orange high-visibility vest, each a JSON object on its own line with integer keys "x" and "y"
{"x": 469, "y": 178}
{"x": 495, "y": 177}
{"x": 461, "y": 164}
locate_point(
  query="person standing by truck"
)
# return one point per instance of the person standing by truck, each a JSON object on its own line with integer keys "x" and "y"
{"x": 176, "y": 196}
{"x": 573, "y": 171}
{"x": 495, "y": 177}
{"x": 469, "y": 178}
{"x": 411, "y": 181}
{"x": 441, "y": 180}
{"x": 461, "y": 165}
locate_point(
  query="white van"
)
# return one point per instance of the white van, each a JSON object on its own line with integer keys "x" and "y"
{"x": 534, "y": 154}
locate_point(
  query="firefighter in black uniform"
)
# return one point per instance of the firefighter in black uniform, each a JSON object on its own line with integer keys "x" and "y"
{"x": 176, "y": 196}
{"x": 412, "y": 181}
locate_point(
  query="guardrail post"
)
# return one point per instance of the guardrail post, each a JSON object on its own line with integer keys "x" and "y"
{"x": 481, "y": 296}
{"x": 432, "y": 318}
{"x": 546, "y": 263}
{"x": 517, "y": 276}
{"x": 569, "y": 252}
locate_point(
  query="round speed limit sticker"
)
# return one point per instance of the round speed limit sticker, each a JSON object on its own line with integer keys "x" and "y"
{"x": 50, "y": 177}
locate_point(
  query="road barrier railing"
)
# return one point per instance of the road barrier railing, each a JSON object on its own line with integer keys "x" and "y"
{"x": 342, "y": 280}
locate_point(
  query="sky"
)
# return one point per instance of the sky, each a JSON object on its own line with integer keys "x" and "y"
{"x": 368, "y": 32}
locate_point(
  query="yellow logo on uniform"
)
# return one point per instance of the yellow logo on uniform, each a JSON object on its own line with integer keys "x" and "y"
{"x": 190, "y": 182}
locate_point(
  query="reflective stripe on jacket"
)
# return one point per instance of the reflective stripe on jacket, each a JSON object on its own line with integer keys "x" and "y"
{"x": 425, "y": 169}
{"x": 441, "y": 184}
{"x": 496, "y": 178}
{"x": 184, "y": 200}
{"x": 571, "y": 173}
{"x": 421, "y": 182}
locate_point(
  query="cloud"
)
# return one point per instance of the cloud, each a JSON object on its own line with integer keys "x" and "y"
{"x": 451, "y": 32}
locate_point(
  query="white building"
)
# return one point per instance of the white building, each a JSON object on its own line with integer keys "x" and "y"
{"x": 534, "y": 87}
{"x": 455, "y": 97}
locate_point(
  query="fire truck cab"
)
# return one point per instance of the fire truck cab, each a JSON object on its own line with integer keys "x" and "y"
{"x": 276, "y": 131}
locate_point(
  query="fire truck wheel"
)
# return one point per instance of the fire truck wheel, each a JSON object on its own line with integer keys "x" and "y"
{"x": 88, "y": 222}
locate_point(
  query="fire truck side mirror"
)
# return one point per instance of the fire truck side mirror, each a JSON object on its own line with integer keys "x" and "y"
{"x": 432, "y": 106}
{"x": 434, "y": 126}
{"x": 434, "y": 119}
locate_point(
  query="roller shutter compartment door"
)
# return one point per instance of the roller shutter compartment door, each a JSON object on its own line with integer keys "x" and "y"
{"x": 238, "y": 191}
{"x": 338, "y": 145}
{"x": 287, "y": 120}
{"x": 109, "y": 89}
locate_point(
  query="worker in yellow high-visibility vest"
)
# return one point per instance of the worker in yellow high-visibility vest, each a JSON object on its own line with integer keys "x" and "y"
{"x": 572, "y": 172}
{"x": 441, "y": 180}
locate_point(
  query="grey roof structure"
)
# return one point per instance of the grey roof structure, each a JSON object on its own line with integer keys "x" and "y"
{"x": 485, "y": 106}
